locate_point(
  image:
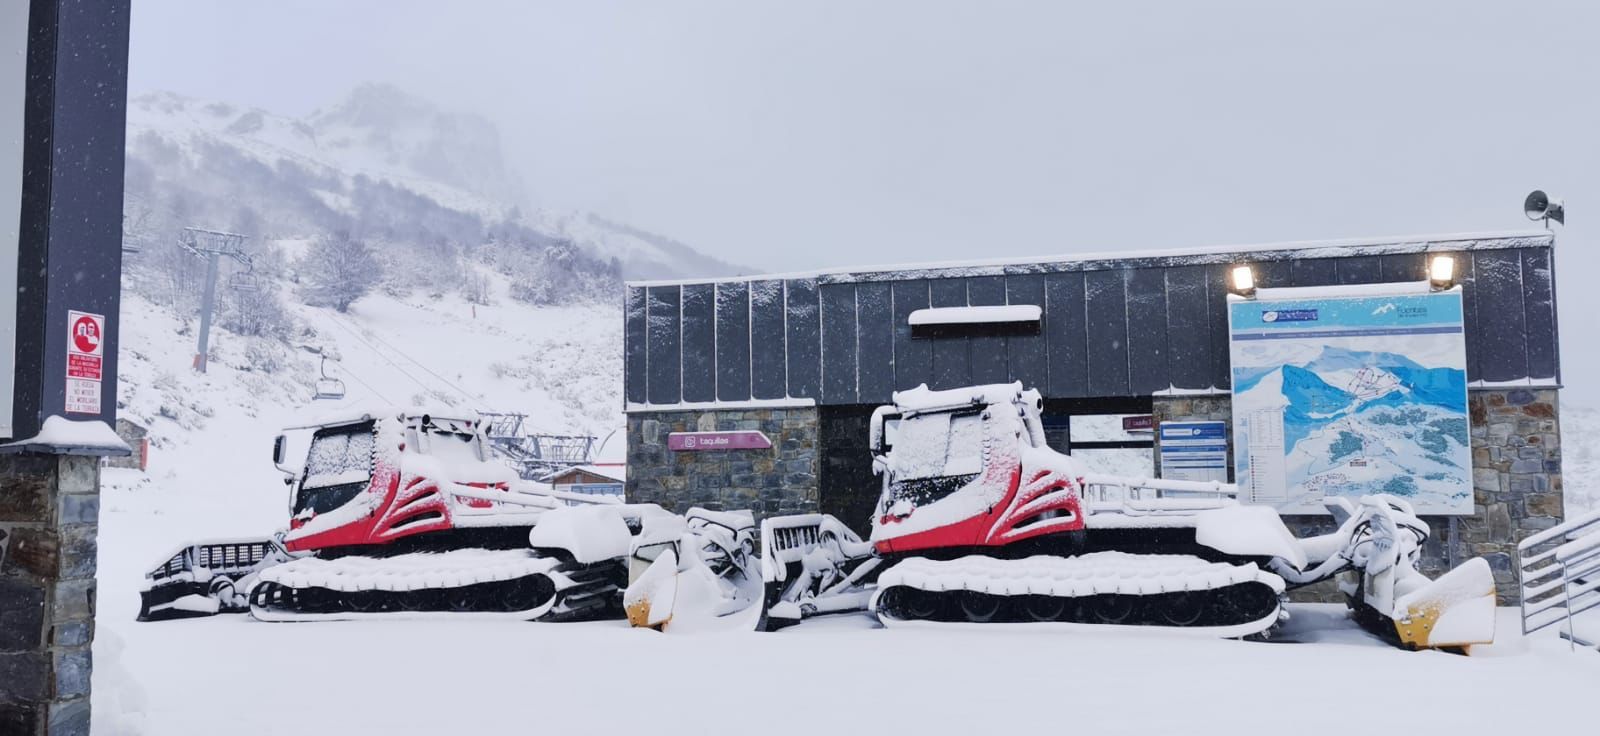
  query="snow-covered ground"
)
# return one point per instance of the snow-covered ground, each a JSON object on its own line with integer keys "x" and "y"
{"x": 235, "y": 676}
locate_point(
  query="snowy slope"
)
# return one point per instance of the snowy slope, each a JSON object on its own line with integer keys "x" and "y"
{"x": 210, "y": 470}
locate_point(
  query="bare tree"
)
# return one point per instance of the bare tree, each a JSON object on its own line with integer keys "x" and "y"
{"x": 338, "y": 270}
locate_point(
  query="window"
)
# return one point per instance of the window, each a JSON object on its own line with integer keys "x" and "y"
{"x": 1110, "y": 443}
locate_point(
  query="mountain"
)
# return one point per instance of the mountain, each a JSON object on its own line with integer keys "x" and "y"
{"x": 379, "y": 163}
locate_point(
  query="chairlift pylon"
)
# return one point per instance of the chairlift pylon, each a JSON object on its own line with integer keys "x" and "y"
{"x": 328, "y": 387}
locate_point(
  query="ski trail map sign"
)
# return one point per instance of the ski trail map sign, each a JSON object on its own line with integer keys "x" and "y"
{"x": 1347, "y": 391}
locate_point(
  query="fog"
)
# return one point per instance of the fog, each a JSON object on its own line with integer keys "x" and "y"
{"x": 799, "y": 135}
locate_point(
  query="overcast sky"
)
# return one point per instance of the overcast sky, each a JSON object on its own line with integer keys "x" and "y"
{"x": 798, "y": 135}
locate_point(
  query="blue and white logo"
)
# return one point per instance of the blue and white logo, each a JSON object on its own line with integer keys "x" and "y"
{"x": 1289, "y": 315}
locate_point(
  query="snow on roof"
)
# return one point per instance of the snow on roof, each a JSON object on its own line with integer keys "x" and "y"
{"x": 1175, "y": 256}
{"x": 62, "y": 436}
{"x": 633, "y": 407}
{"x": 976, "y": 315}
{"x": 618, "y": 473}
{"x": 1342, "y": 290}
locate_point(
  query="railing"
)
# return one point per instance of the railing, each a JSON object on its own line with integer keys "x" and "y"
{"x": 1558, "y": 570}
{"x": 1154, "y": 496}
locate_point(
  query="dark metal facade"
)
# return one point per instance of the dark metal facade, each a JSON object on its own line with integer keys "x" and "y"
{"x": 70, "y": 247}
{"x": 1110, "y": 327}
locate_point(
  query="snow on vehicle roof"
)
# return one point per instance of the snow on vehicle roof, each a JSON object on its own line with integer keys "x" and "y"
{"x": 923, "y": 398}
{"x": 365, "y": 412}
{"x": 60, "y": 435}
{"x": 1106, "y": 260}
{"x": 976, "y": 315}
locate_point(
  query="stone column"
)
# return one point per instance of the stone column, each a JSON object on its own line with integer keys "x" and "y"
{"x": 49, "y": 513}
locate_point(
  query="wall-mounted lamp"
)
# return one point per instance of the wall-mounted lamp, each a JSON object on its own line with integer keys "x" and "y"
{"x": 1243, "y": 280}
{"x": 1442, "y": 271}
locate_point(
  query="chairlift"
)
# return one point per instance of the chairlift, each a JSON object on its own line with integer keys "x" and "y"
{"x": 245, "y": 280}
{"x": 328, "y": 387}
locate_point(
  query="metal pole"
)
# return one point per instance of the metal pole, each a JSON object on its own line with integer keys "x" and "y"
{"x": 206, "y": 303}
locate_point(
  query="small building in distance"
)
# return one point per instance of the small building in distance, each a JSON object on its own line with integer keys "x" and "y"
{"x": 594, "y": 480}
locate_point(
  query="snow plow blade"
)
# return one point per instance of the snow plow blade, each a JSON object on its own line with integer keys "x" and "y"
{"x": 649, "y": 599}
{"x": 1457, "y": 610}
{"x": 811, "y": 564}
{"x": 695, "y": 572}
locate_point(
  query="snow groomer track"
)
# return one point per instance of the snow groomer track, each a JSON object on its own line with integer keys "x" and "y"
{"x": 514, "y": 584}
{"x": 1104, "y": 588}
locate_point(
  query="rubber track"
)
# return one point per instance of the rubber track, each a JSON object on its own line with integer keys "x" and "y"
{"x": 596, "y": 594}
{"x": 1239, "y": 604}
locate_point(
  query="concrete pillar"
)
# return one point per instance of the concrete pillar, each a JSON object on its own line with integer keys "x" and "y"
{"x": 49, "y": 513}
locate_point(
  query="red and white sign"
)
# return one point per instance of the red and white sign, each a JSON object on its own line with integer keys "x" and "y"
{"x": 85, "y": 361}
{"x": 703, "y": 441}
{"x": 1139, "y": 423}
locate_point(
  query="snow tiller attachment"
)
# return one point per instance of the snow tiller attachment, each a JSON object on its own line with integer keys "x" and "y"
{"x": 979, "y": 521}
{"x": 205, "y": 579}
{"x": 812, "y": 564}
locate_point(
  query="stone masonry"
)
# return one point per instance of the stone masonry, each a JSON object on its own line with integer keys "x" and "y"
{"x": 781, "y": 480}
{"x": 1516, "y": 473}
{"x": 49, "y": 514}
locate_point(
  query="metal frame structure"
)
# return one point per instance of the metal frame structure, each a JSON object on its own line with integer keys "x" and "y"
{"x": 534, "y": 455}
{"x": 212, "y": 245}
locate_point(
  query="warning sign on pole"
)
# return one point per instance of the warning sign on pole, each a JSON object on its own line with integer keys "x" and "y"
{"x": 85, "y": 361}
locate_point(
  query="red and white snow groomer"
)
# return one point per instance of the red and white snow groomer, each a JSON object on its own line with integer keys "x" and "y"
{"x": 403, "y": 513}
{"x": 980, "y": 522}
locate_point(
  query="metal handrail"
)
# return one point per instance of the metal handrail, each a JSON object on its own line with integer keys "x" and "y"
{"x": 1155, "y": 496}
{"x": 1558, "y": 571}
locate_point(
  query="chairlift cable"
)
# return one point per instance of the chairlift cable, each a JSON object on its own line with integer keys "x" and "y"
{"x": 380, "y": 354}
{"x": 464, "y": 393}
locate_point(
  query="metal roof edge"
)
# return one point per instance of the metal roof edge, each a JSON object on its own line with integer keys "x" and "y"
{"x": 1147, "y": 258}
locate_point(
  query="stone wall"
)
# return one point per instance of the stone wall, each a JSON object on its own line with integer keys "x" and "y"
{"x": 49, "y": 514}
{"x": 1516, "y": 472}
{"x": 781, "y": 480}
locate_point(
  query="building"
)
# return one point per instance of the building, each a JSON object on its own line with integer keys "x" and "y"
{"x": 594, "y": 480}
{"x": 786, "y": 370}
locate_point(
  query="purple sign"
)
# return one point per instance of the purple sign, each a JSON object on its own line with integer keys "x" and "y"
{"x": 703, "y": 441}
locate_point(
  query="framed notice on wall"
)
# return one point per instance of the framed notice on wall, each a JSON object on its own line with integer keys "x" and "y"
{"x": 13, "y": 87}
{"x": 1349, "y": 391}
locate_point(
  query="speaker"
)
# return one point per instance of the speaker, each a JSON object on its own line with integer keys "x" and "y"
{"x": 1538, "y": 206}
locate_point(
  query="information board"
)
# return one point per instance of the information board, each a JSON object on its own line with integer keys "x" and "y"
{"x": 1194, "y": 451}
{"x": 1348, "y": 395}
{"x": 13, "y": 88}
